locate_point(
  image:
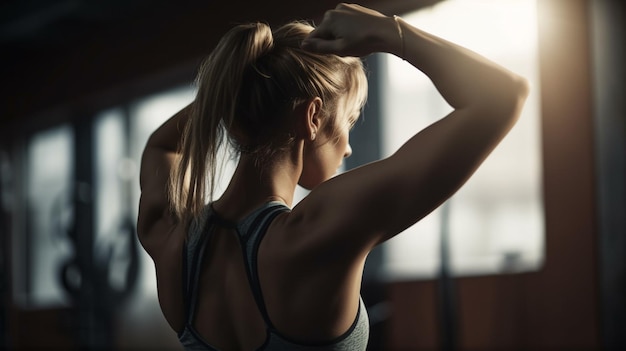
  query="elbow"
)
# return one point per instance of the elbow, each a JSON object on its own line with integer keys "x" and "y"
{"x": 520, "y": 91}
{"x": 521, "y": 88}
{"x": 511, "y": 97}
{"x": 513, "y": 90}
{"x": 501, "y": 108}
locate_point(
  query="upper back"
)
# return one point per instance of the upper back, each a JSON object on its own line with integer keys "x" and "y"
{"x": 225, "y": 306}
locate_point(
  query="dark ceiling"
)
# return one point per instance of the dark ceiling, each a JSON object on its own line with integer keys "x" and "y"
{"x": 41, "y": 23}
{"x": 29, "y": 26}
{"x": 60, "y": 53}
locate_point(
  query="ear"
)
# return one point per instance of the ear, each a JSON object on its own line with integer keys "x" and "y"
{"x": 311, "y": 121}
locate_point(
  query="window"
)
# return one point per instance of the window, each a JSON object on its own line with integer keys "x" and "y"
{"x": 113, "y": 176}
{"x": 495, "y": 222}
{"x": 44, "y": 248}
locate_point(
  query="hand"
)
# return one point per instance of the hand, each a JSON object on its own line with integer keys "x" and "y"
{"x": 352, "y": 30}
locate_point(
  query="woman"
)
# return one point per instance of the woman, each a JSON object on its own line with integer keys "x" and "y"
{"x": 246, "y": 271}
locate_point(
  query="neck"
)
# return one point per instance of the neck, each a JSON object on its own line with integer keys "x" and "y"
{"x": 257, "y": 184}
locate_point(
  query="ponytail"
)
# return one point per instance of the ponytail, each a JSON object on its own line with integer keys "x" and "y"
{"x": 212, "y": 113}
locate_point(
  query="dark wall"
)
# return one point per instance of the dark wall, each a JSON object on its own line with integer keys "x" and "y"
{"x": 608, "y": 20}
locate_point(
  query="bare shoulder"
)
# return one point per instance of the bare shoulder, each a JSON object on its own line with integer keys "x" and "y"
{"x": 341, "y": 217}
{"x": 302, "y": 273}
{"x": 352, "y": 206}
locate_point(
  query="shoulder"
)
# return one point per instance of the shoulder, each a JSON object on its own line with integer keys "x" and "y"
{"x": 301, "y": 236}
{"x": 343, "y": 214}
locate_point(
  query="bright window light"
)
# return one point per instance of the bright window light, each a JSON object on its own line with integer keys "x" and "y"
{"x": 44, "y": 248}
{"x": 113, "y": 171}
{"x": 496, "y": 220}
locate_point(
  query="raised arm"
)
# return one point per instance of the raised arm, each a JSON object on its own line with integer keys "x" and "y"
{"x": 368, "y": 205}
{"x": 156, "y": 220}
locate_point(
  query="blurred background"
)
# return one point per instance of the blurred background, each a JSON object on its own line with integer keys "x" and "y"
{"x": 530, "y": 254}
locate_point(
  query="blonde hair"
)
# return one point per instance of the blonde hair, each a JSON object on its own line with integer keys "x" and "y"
{"x": 248, "y": 88}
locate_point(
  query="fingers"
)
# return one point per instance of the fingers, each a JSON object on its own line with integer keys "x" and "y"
{"x": 326, "y": 38}
{"x": 323, "y": 38}
{"x": 321, "y": 32}
{"x": 341, "y": 31}
{"x": 323, "y": 46}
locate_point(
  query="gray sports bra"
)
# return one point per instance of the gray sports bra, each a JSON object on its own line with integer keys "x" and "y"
{"x": 251, "y": 231}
